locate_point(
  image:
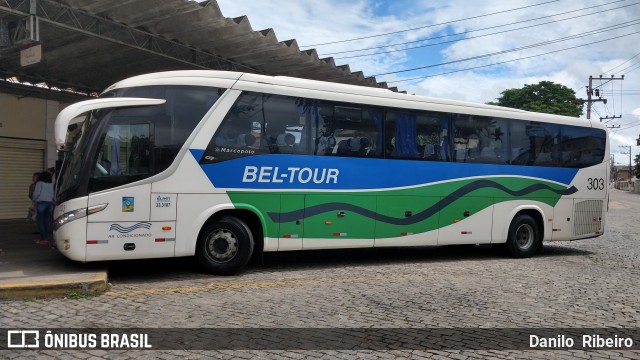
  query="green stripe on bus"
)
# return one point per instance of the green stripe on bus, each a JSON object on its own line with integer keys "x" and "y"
{"x": 391, "y": 212}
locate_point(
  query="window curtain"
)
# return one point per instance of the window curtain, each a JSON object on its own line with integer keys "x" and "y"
{"x": 444, "y": 147}
{"x": 377, "y": 120}
{"x": 315, "y": 118}
{"x": 406, "y": 136}
{"x": 303, "y": 108}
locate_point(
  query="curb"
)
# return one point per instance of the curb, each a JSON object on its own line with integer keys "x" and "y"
{"x": 86, "y": 286}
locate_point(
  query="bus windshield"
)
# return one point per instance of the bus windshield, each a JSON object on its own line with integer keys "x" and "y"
{"x": 79, "y": 135}
{"x": 118, "y": 146}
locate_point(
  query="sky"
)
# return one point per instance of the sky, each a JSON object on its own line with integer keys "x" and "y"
{"x": 473, "y": 50}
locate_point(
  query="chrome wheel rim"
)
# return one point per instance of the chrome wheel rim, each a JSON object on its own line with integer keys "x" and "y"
{"x": 524, "y": 236}
{"x": 222, "y": 245}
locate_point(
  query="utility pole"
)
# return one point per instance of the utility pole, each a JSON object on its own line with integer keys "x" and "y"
{"x": 614, "y": 175}
{"x": 591, "y": 92}
{"x": 628, "y": 146}
{"x": 610, "y": 118}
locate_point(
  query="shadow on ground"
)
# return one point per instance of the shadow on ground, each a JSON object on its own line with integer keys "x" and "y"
{"x": 153, "y": 270}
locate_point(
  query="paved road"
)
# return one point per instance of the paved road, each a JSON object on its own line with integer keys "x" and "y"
{"x": 585, "y": 284}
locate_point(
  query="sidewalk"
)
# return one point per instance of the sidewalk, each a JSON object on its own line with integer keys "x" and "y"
{"x": 30, "y": 270}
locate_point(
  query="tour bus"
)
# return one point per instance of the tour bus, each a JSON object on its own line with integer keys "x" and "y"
{"x": 225, "y": 165}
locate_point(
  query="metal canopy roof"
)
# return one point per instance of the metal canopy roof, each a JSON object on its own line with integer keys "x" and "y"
{"x": 89, "y": 44}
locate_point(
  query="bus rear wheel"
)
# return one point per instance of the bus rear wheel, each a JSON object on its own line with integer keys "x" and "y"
{"x": 524, "y": 237}
{"x": 225, "y": 246}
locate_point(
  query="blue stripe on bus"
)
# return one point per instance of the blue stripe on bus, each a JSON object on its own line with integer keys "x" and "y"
{"x": 197, "y": 154}
{"x": 281, "y": 171}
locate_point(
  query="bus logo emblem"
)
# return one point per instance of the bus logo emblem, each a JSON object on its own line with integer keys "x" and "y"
{"x": 127, "y": 204}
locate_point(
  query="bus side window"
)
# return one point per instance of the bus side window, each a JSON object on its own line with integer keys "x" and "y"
{"x": 469, "y": 137}
{"x": 324, "y": 138}
{"x": 250, "y": 127}
{"x": 401, "y": 134}
{"x": 285, "y": 124}
{"x": 535, "y": 144}
{"x": 139, "y": 155}
{"x": 124, "y": 155}
{"x": 415, "y": 135}
{"x": 492, "y": 142}
{"x": 345, "y": 129}
{"x": 171, "y": 123}
{"x": 577, "y": 146}
{"x": 430, "y": 139}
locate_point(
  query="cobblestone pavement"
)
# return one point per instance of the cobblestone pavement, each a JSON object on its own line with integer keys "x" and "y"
{"x": 584, "y": 284}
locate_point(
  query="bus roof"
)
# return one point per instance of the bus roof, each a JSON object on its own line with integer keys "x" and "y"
{"x": 256, "y": 82}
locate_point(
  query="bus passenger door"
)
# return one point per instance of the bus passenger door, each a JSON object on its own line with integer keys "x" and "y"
{"x": 339, "y": 221}
{"x": 466, "y": 220}
{"x": 127, "y": 227}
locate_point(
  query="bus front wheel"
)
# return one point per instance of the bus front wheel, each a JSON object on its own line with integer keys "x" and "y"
{"x": 225, "y": 246}
{"x": 524, "y": 237}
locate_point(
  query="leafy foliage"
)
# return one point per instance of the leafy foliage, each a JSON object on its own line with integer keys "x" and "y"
{"x": 546, "y": 97}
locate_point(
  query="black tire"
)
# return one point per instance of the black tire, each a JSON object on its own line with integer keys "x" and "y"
{"x": 225, "y": 246}
{"x": 524, "y": 237}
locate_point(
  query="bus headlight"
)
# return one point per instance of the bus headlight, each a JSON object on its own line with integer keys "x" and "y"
{"x": 77, "y": 214}
{"x": 68, "y": 217}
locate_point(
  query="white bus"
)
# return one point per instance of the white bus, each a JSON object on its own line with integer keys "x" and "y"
{"x": 223, "y": 165}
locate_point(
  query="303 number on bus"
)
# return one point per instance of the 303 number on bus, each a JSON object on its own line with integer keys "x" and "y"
{"x": 595, "y": 184}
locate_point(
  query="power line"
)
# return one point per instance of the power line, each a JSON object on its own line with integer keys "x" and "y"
{"x": 468, "y": 32}
{"x": 613, "y": 93}
{"x": 634, "y": 56}
{"x": 620, "y": 94}
{"x": 508, "y": 61}
{"x": 428, "y": 26}
{"x": 597, "y": 113}
{"x": 631, "y": 66}
{"x": 627, "y": 126}
{"x": 606, "y": 107}
{"x": 571, "y": 37}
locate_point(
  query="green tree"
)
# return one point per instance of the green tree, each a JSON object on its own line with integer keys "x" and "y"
{"x": 636, "y": 168}
{"x": 546, "y": 97}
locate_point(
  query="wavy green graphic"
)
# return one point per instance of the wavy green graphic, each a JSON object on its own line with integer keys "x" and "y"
{"x": 390, "y": 213}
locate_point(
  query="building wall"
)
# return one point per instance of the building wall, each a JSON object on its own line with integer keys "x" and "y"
{"x": 27, "y": 145}
{"x": 23, "y": 117}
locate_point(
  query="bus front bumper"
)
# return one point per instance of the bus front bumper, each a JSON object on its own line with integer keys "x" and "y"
{"x": 71, "y": 239}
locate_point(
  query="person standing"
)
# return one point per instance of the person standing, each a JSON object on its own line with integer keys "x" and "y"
{"x": 43, "y": 197}
{"x": 31, "y": 215}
